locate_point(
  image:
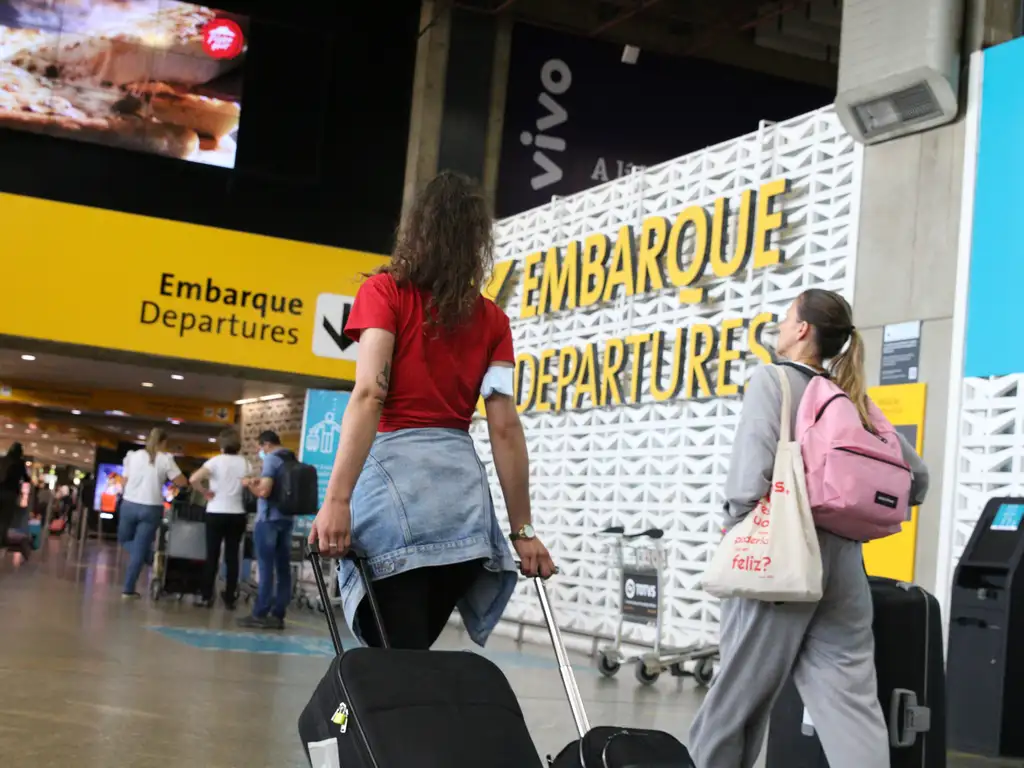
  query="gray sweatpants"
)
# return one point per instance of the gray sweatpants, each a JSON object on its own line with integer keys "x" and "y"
{"x": 829, "y": 649}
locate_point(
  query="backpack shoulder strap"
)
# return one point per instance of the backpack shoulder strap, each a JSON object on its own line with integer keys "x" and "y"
{"x": 803, "y": 369}
{"x": 287, "y": 455}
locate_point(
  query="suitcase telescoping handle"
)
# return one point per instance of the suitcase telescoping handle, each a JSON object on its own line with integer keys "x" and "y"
{"x": 313, "y": 553}
{"x": 572, "y": 691}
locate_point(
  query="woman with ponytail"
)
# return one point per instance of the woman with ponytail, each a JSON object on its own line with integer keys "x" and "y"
{"x": 827, "y": 647}
{"x": 142, "y": 504}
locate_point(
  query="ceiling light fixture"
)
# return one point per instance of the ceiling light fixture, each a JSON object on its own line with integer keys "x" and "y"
{"x": 28, "y": 358}
{"x": 141, "y": 437}
{"x": 278, "y": 396}
{"x": 246, "y": 401}
{"x": 147, "y": 383}
{"x": 177, "y": 377}
{"x": 213, "y": 439}
{"x": 9, "y": 426}
{"x": 76, "y": 412}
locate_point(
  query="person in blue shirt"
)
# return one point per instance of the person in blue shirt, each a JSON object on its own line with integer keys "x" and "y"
{"x": 272, "y": 538}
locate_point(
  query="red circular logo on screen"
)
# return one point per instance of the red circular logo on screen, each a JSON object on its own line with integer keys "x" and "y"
{"x": 223, "y": 39}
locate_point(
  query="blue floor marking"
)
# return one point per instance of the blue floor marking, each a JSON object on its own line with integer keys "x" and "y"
{"x": 248, "y": 642}
{"x": 314, "y": 645}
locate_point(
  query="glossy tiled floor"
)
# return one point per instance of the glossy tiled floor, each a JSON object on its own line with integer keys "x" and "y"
{"x": 89, "y": 681}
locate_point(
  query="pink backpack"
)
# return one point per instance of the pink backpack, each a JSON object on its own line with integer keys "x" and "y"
{"x": 858, "y": 482}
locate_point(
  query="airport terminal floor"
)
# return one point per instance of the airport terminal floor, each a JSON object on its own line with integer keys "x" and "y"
{"x": 89, "y": 677}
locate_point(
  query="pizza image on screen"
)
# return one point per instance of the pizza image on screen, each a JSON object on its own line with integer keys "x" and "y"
{"x": 154, "y": 76}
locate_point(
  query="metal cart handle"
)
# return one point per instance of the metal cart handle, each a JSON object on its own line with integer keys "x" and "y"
{"x": 650, "y": 533}
{"x": 618, "y": 530}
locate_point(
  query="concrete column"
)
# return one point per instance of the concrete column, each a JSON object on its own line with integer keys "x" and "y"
{"x": 907, "y": 254}
{"x": 458, "y": 96}
{"x": 427, "y": 98}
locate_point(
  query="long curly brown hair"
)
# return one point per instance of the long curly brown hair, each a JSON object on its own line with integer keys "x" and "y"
{"x": 445, "y": 248}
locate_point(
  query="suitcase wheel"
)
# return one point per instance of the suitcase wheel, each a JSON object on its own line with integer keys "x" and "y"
{"x": 646, "y": 676}
{"x": 608, "y": 666}
{"x": 703, "y": 672}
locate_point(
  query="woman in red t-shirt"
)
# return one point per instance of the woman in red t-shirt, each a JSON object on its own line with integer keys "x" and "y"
{"x": 407, "y": 487}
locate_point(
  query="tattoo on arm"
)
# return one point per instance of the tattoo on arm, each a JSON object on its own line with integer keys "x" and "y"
{"x": 383, "y": 382}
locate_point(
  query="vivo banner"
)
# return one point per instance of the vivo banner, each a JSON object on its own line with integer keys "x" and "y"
{"x": 577, "y": 116}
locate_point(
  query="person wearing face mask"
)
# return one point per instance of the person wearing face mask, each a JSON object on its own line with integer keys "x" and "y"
{"x": 827, "y": 647}
{"x": 272, "y": 538}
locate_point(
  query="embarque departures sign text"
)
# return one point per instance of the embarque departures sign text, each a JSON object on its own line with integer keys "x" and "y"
{"x": 667, "y": 252}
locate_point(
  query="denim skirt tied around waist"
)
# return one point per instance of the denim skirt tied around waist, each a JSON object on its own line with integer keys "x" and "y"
{"x": 421, "y": 501}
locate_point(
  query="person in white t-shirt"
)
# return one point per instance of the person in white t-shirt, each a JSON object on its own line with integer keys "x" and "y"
{"x": 221, "y": 480}
{"x": 142, "y": 503}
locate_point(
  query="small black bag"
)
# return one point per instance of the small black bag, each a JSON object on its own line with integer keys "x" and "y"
{"x": 387, "y": 708}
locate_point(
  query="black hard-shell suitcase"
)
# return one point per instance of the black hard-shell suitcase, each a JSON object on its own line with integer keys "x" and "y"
{"x": 390, "y": 708}
{"x": 606, "y": 746}
{"x": 911, "y": 686}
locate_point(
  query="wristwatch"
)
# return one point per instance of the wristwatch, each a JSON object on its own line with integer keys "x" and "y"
{"x": 526, "y": 532}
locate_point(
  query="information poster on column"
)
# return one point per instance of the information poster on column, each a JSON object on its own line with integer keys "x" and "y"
{"x": 321, "y": 431}
{"x": 904, "y": 405}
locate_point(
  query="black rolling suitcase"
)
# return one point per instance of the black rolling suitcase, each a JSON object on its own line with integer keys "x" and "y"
{"x": 606, "y": 746}
{"x": 911, "y": 686}
{"x": 389, "y": 708}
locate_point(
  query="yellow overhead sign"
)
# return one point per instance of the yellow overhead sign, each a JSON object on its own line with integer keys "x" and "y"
{"x": 179, "y": 290}
{"x": 117, "y": 403}
{"x": 894, "y": 556}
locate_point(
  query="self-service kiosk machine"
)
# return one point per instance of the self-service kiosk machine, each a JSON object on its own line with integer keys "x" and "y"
{"x": 985, "y": 662}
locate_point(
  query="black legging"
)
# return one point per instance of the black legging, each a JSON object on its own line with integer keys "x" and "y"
{"x": 227, "y": 529}
{"x": 417, "y": 604}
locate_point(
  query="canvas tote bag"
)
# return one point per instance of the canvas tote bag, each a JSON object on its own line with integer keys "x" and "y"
{"x": 773, "y": 553}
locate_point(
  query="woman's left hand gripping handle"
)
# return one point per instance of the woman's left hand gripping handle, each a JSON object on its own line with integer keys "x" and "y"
{"x": 332, "y": 528}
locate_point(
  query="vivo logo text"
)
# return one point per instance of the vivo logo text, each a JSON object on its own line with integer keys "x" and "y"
{"x": 555, "y": 78}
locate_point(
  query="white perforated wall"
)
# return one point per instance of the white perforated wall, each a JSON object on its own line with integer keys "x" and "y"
{"x": 664, "y": 464}
{"x": 990, "y": 454}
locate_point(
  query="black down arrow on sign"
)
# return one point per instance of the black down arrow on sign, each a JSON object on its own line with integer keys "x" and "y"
{"x": 338, "y": 335}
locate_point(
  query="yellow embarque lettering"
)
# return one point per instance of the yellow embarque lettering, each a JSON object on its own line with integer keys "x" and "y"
{"x": 531, "y": 282}
{"x": 675, "y": 378}
{"x": 770, "y": 218}
{"x": 699, "y": 347}
{"x": 754, "y": 328}
{"x": 623, "y": 268}
{"x": 524, "y": 398}
{"x": 592, "y": 272}
{"x": 559, "y": 284}
{"x": 695, "y": 218}
{"x": 544, "y": 378}
{"x": 566, "y": 375}
{"x": 586, "y": 379}
{"x": 726, "y": 356}
{"x": 653, "y": 241}
{"x": 721, "y": 265}
{"x": 636, "y": 343}
{"x": 611, "y": 367}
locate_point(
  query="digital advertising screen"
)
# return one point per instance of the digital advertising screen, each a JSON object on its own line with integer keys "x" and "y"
{"x": 109, "y": 487}
{"x": 153, "y": 76}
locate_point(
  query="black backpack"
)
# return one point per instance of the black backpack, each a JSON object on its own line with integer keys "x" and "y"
{"x": 296, "y": 491}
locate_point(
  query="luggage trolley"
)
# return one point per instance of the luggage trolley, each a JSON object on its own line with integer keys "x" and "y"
{"x": 179, "y": 565}
{"x": 641, "y": 565}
